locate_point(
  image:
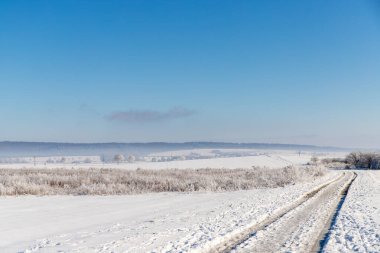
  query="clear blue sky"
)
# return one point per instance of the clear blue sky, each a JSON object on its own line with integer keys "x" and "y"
{"x": 245, "y": 71}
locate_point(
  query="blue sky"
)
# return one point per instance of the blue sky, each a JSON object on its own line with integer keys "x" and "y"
{"x": 243, "y": 71}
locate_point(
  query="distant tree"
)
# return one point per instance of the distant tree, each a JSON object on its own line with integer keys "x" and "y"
{"x": 364, "y": 160}
{"x": 131, "y": 158}
{"x": 119, "y": 158}
{"x": 63, "y": 160}
{"x": 87, "y": 160}
{"x": 376, "y": 162}
{"x": 353, "y": 158}
{"x": 370, "y": 160}
{"x": 314, "y": 160}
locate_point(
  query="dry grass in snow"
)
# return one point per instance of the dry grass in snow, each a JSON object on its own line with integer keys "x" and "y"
{"x": 117, "y": 182}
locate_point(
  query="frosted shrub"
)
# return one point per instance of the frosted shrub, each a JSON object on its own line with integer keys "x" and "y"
{"x": 361, "y": 160}
{"x": 117, "y": 182}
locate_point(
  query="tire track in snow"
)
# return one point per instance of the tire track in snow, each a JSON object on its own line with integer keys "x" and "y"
{"x": 326, "y": 233}
{"x": 235, "y": 240}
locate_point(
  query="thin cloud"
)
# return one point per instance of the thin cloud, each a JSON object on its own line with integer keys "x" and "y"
{"x": 143, "y": 116}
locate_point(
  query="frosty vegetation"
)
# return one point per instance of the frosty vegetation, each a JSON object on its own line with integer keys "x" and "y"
{"x": 361, "y": 160}
{"x": 118, "y": 182}
{"x": 356, "y": 160}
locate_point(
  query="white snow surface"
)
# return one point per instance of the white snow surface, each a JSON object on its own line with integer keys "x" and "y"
{"x": 357, "y": 228}
{"x": 272, "y": 159}
{"x": 159, "y": 222}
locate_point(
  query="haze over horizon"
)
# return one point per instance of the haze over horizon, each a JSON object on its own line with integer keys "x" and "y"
{"x": 163, "y": 142}
{"x": 176, "y": 71}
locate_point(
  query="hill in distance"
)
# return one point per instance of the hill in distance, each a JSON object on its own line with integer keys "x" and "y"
{"x": 14, "y": 149}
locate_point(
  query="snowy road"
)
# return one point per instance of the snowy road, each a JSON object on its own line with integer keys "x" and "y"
{"x": 297, "y": 228}
{"x": 357, "y": 227}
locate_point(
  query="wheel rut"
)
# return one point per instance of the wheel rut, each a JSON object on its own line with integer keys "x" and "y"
{"x": 284, "y": 230}
{"x": 325, "y": 233}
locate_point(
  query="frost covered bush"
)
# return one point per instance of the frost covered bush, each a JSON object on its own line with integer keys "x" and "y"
{"x": 119, "y": 158}
{"x": 117, "y": 182}
{"x": 361, "y": 160}
{"x": 334, "y": 163}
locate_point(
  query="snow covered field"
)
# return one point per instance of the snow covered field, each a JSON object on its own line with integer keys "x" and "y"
{"x": 164, "y": 222}
{"x": 357, "y": 227}
{"x": 201, "y": 221}
{"x": 229, "y": 162}
{"x": 237, "y": 159}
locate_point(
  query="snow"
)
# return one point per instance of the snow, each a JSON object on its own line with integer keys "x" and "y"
{"x": 51, "y": 159}
{"x": 171, "y": 222}
{"x": 183, "y": 222}
{"x": 273, "y": 159}
{"x": 357, "y": 227}
{"x": 299, "y": 229}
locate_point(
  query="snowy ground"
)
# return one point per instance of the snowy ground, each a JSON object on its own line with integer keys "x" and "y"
{"x": 228, "y": 162}
{"x": 357, "y": 227}
{"x": 300, "y": 228}
{"x": 144, "y": 223}
{"x": 272, "y": 159}
{"x": 199, "y": 222}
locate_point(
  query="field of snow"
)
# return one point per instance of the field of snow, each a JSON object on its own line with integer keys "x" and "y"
{"x": 248, "y": 158}
{"x": 357, "y": 227}
{"x": 51, "y": 159}
{"x": 243, "y": 152}
{"x": 169, "y": 222}
{"x": 228, "y": 163}
{"x": 200, "y": 221}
